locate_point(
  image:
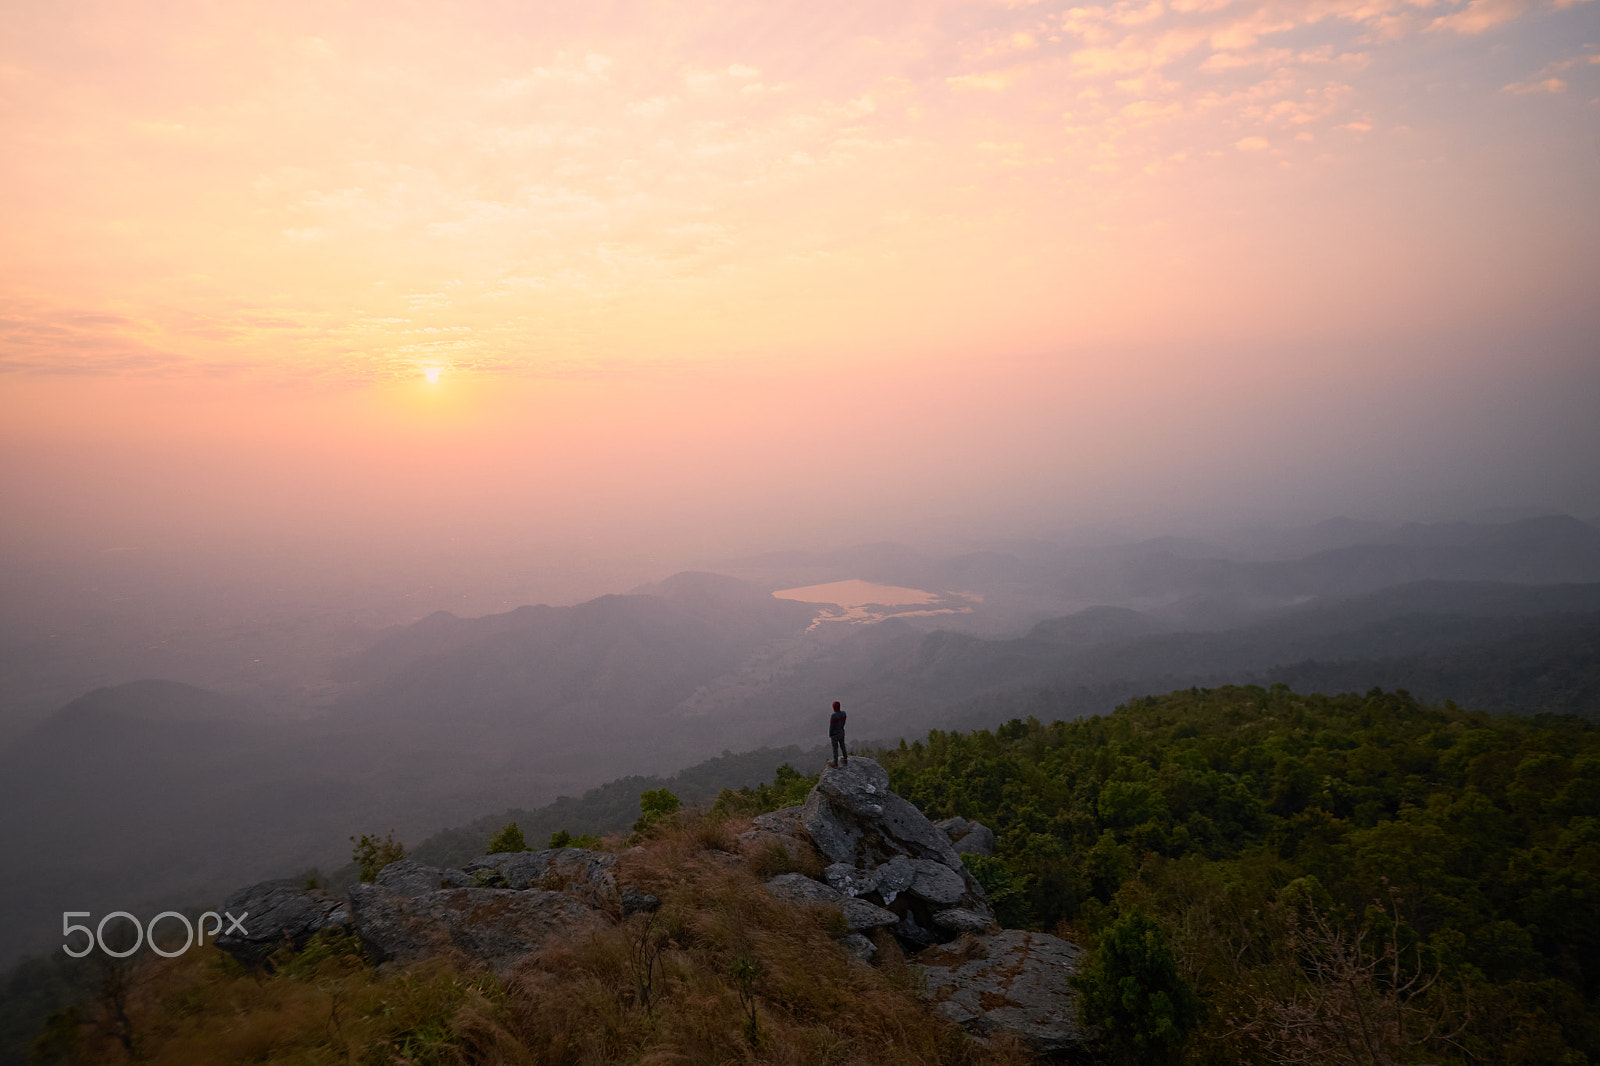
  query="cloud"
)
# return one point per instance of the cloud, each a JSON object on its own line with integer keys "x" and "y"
{"x": 38, "y": 339}
{"x": 1480, "y": 16}
{"x": 1546, "y": 81}
{"x": 1548, "y": 85}
{"x": 1252, "y": 144}
{"x": 1261, "y": 57}
{"x": 992, "y": 81}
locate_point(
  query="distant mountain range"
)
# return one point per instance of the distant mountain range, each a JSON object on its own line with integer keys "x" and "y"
{"x": 154, "y": 793}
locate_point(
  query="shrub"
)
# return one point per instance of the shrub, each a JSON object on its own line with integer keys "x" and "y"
{"x": 655, "y": 805}
{"x": 1132, "y": 991}
{"x": 508, "y": 839}
{"x": 371, "y": 854}
{"x": 789, "y": 788}
{"x": 1006, "y": 895}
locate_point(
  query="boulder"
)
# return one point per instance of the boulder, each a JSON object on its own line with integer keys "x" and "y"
{"x": 937, "y": 884}
{"x": 886, "y": 853}
{"x": 858, "y": 946}
{"x": 589, "y": 874}
{"x": 1011, "y": 981}
{"x": 781, "y": 828}
{"x": 894, "y": 877}
{"x": 852, "y": 817}
{"x": 858, "y": 913}
{"x": 966, "y": 837}
{"x": 634, "y": 902}
{"x": 784, "y": 820}
{"x": 495, "y": 926}
{"x": 964, "y": 921}
{"x": 274, "y": 914}
{"x": 411, "y": 878}
{"x": 849, "y": 880}
{"x": 798, "y": 888}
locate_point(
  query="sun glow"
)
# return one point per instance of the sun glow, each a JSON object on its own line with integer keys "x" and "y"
{"x": 432, "y": 374}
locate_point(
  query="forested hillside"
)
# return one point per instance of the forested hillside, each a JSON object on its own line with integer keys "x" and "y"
{"x": 1335, "y": 879}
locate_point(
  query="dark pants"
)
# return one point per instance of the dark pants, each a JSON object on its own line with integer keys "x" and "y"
{"x": 838, "y": 748}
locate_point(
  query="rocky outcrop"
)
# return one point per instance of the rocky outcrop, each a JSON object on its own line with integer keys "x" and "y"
{"x": 498, "y": 909}
{"x": 494, "y": 926}
{"x": 853, "y": 818}
{"x": 411, "y": 878}
{"x": 276, "y": 914}
{"x": 1012, "y": 981}
{"x": 781, "y": 829}
{"x": 885, "y": 852}
{"x": 968, "y": 838}
{"x": 578, "y": 870}
{"x": 888, "y": 869}
{"x": 858, "y": 913}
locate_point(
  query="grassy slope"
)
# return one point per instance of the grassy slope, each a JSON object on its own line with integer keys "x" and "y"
{"x": 580, "y": 1002}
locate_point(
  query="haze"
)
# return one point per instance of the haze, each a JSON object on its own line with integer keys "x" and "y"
{"x": 481, "y": 304}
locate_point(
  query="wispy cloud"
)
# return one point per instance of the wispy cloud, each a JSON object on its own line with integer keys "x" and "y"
{"x": 547, "y": 182}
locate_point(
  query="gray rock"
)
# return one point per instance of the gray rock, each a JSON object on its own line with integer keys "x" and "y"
{"x": 588, "y": 873}
{"x": 894, "y": 877}
{"x": 275, "y": 914}
{"x": 634, "y": 902}
{"x": 858, "y": 913}
{"x": 862, "y": 915}
{"x": 858, "y": 946}
{"x": 936, "y": 883}
{"x": 782, "y": 820}
{"x": 852, "y": 817}
{"x": 781, "y": 827}
{"x": 411, "y": 878}
{"x": 883, "y": 850}
{"x": 801, "y": 889}
{"x": 1012, "y": 981}
{"x": 966, "y": 837}
{"x": 961, "y": 920}
{"x": 495, "y": 926}
{"x": 914, "y": 934}
{"x": 453, "y": 878}
{"x": 849, "y": 880}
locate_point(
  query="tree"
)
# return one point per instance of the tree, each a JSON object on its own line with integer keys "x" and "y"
{"x": 1366, "y": 995}
{"x": 508, "y": 839}
{"x": 1133, "y": 993}
{"x": 654, "y": 805}
{"x": 371, "y": 854}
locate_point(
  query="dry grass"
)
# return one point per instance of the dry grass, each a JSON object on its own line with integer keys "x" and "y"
{"x": 655, "y": 989}
{"x": 579, "y": 1003}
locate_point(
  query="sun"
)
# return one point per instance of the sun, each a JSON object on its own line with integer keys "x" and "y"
{"x": 432, "y": 374}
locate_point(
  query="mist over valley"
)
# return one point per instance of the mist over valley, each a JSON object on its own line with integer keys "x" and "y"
{"x": 162, "y": 791}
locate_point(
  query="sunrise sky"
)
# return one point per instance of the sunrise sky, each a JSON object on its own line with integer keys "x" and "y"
{"x": 734, "y": 275}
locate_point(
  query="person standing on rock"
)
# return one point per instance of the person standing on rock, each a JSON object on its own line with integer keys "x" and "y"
{"x": 841, "y": 757}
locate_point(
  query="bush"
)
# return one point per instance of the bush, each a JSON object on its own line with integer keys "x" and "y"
{"x": 563, "y": 839}
{"x": 789, "y": 788}
{"x": 508, "y": 839}
{"x": 1006, "y": 892}
{"x": 371, "y": 854}
{"x": 1133, "y": 993}
{"x": 654, "y": 805}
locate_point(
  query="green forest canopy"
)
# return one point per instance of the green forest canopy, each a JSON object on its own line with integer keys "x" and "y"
{"x": 1445, "y": 863}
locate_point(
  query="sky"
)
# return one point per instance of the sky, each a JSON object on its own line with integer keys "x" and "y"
{"x": 411, "y": 280}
